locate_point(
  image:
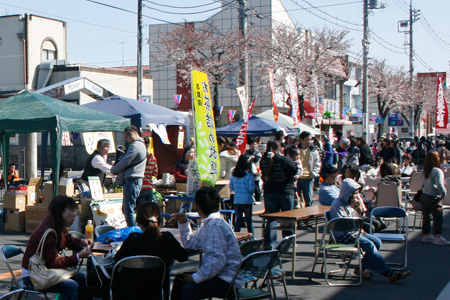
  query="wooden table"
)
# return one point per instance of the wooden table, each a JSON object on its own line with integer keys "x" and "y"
{"x": 311, "y": 213}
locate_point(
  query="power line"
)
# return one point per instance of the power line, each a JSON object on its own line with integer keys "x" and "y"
{"x": 178, "y": 7}
{"x": 423, "y": 63}
{"x": 324, "y": 19}
{"x": 344, "y": 21}
{"x": 385, "y": 47}
{"x": 399, "y": 4}
{"x": 386, "y": 42}
{"x": 60, "y": 17}
{"x": 329, "y": 5}
{"x": 104, "y": 42}
{"x": 184, "y": 13}
{"x": 157, "y": 19}
{"x": 434, "y": 32}
{"x": 433, "y": 36}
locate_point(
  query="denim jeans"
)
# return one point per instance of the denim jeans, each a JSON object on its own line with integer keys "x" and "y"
{"x": 70, "y": 289}
{"x": 145, "y": 195}
{"x": 275, "y": 203}
{"x": 240, "y": 210}
{"x": 214, "y": 287}
{"x": 431, "y": 206}
{"x": 131, "y": 190}
{"x": 372, "y": 258}
{"x": 305, "y": 190}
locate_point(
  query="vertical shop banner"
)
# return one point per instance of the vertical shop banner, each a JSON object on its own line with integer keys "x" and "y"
{"x": 272, "y": 95}
{"x": 241, "y": 141}
{"x": 243, "y": 98}
{"x": 441, "y": 105}
{"x": 294, "y": 99}
{"x": 205, "y": 130}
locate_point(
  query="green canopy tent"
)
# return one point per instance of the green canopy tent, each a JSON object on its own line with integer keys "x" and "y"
{"x": 30, "y": 112}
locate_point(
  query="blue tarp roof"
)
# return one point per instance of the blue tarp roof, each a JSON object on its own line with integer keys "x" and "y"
{"x": 256, "y": 127}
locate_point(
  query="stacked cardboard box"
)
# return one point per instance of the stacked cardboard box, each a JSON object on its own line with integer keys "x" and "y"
{"x": 65, "y": 190}
{"x": 14, "y": 205}
{"x": 34, "y": 216}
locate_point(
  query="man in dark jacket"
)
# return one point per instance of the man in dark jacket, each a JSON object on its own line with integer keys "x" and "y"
{"x": 96, "y": 164}
{"x": 366, "y": 156}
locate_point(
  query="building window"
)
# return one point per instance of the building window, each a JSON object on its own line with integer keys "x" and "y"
{"x": 48, "y": 51}
{"x": 330, "y": 90}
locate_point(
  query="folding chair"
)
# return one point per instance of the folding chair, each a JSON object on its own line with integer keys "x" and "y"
{"x": 10, "y": 252}
{"x": 399, "y": 235}
{"x": 389, "y": 194}
{"x": 151, "y": 279}
{"x": 14, "y": 295}
{"x": 446, "y": 200}
{"x": 251, "y": 246}
{"x": 99, "y": 230}
{"x": 278, "y": 273}
{"x": 339, "y": 229}
{"x": 257, "y": 264}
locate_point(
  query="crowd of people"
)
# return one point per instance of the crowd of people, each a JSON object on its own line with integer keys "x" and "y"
{"x": 283, "y": 173}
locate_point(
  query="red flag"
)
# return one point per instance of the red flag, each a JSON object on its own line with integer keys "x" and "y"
{"x": 272, "y": 93}
{"x": 241, "y": 141}
{"x": 441, "y": 105}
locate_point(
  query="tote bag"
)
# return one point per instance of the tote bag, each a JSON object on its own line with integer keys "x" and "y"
{"x": 43, "y": 277}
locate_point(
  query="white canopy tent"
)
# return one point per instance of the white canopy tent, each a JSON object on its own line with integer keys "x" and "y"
{"x": 289, "y": 122}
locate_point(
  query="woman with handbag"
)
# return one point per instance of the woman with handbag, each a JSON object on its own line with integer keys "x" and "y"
{"x": 150, "y": 242}
{"x": 432, "y": 192}
{"x": 49, "y": 238}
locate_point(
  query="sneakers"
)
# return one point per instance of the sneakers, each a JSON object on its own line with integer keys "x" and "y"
{"x": 441, "y": 242}
{"x": 365, "y": 274}
{"x": 428, "y": 239}
{"x": 396, "y": 276}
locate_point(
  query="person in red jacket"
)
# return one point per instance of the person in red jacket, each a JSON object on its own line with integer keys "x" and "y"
{"x": 62, "y": 212}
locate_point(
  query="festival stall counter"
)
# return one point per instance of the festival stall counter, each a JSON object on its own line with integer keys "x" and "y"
{"x": 106, "y": 211}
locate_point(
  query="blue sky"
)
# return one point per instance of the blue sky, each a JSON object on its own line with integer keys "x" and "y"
{"x": 100, "y": 35}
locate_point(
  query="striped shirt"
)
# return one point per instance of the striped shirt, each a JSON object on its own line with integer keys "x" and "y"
{"x": 151, "y": 169}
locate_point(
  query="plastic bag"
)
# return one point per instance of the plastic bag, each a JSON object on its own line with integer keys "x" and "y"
{"x": 118, "y": 235}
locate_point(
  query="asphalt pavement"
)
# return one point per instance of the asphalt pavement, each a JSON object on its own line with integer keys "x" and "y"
{"x": 429, "y": 264}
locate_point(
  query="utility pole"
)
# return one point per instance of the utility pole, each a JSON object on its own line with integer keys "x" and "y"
{"x": 243, "y": 63}
{"x": 406, "y": 26}
{"x": 365, "y": 44}
{"x": 139, "y": 52}
{"x": 411, "y": 64}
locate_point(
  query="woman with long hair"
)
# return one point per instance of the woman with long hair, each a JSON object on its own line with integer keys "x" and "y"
{"x": 150, "y": 242}
{"x": 433, "y": 191}
{"x": 278, "y": 173}
{"x": 242, "y": 182}
{"x": 229, "y": 155}
{"x": 62, "y": 211}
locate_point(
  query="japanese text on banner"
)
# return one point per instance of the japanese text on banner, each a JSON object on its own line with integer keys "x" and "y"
{"x": 441, "y": 105}
{"x": 205, "y": 131}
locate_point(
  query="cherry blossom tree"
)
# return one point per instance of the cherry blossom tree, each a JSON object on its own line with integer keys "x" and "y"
{"x": 390, "y": 88}
{"x": 202, "y": 47}
{"x": 422, "y": 99}
{"x": 309, "y": 55}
